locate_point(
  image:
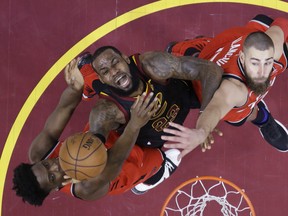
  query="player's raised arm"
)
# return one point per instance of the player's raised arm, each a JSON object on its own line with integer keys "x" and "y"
{"x": 97, "y": 187}
{"x": 59, "y": 118}
{"x": 225, "y": 98}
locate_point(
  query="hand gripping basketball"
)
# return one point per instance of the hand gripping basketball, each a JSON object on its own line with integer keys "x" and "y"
{"x": 83, "y": 156}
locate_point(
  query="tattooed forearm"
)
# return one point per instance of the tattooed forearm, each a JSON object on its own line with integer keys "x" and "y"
{"x": 104, "y": 117}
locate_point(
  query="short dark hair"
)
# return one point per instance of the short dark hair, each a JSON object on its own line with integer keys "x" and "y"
{"x": 259, "y": 40}
{"x": 101, "y": 50}
{"x": 27, "y": 186}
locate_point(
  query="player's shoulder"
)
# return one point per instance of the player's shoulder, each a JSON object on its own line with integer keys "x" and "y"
{"x": 234, "y": 89}
{"x": 234, "y": 85}
{"x": 230, "y": 87}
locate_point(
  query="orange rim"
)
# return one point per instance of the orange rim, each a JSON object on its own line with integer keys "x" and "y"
{"x": 208, "y": 178}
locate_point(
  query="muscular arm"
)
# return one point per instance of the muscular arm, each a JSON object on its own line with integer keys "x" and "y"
{"x": 161, "y": 66}
{"x": 230, "y": 93}
{"x": 55, "y": 124}
{"x": 98, "y": 186}
{"x": 59, "y": 118}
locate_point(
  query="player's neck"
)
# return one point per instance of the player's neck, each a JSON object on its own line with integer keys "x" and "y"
{"x": 139, "y": 91}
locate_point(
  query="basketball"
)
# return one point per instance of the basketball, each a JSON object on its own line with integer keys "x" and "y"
{"x": 83, "y": 156}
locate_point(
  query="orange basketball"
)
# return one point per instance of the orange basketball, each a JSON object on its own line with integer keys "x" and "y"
{"x": 83, "y": 156}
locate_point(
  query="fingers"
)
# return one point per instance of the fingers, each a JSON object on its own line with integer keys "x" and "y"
{"x": 77, "y": 61}
{"x": 153, "y": 107}
{"x": 208, "y": 142}
{"x": 178, "y": 126}
{"x": 67, "y": 177}
{"x": 139, "y": 102}
{"x": 143, "y": 106}
{"x": 205, "y": 146}
{"x": 143, "y": 103}
{"x": 69, "y": 180}
{"x": 171, "y": 138}
{"x": 175, "y": 132}
{"x": 66, "y": 74}
{"x": 135, "y": 103}
{"x": 174, "y": 145}
{"x": 210, "y": 139}
{"x": 69, "y": 68}
{"x": 220, "y": 133}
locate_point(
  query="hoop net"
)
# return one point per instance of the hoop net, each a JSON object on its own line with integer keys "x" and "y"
{"x": 205, "y": 196}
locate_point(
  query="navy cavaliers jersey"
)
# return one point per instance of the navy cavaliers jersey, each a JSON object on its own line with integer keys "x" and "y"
{"x": 176, "y": 98}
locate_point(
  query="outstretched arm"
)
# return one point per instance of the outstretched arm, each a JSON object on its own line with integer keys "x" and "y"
{"x": 59, "y": 118}
{"x": 161, "y": 66}
{"x": 225, "y": 98}
{"x": 97, "y": 187}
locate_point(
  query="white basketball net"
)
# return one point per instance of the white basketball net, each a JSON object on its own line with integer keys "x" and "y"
{"x": 196, "y": 198}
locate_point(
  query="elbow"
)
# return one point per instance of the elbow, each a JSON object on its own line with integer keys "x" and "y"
{"x": 87, "y": 190}
{"x": 215, "y": 70}
{"x": 216, "y": 76}
{"x": 218, "y": 72}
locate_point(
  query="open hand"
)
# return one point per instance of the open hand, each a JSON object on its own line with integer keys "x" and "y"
{"x": 142, "y": 110}
{"x": 183, "y": 138}
{"x": 73, "y": 76}
{"x": 188, "y": 139}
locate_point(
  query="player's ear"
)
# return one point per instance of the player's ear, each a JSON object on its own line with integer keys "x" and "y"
{"x": 241, "y": 56}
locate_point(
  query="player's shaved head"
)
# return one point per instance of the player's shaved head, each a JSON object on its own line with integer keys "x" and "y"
{"x": 259, "y": 40}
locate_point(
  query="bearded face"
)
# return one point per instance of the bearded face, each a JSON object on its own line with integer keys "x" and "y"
{"x": 258, "y": 65}
{"x": 257, "y": 86}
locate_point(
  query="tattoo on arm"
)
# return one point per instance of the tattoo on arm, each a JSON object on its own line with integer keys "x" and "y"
{"x": 159, "y": 65}
{"x": 104, "y": 117}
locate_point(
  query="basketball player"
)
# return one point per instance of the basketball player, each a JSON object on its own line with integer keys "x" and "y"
{"x": 252, "y": 57}
{"x": 127, "y": 165}
{"x": 120, "y": 79}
